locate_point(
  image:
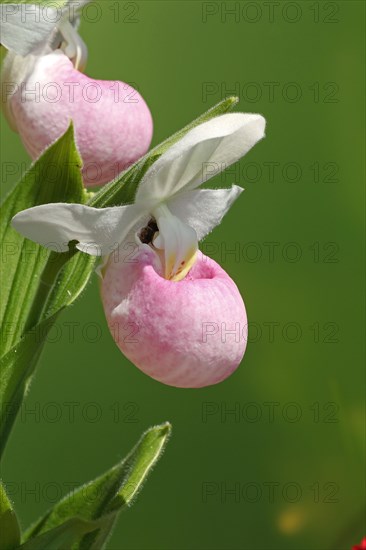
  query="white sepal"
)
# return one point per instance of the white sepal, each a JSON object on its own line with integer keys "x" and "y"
{"x": 202, "y": 153}
{"x": 97, "y": 230}
{"x": 204, "y": 209}
{"x": 26, "y": 28}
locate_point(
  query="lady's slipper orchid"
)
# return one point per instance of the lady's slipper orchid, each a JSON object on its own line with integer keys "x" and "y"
{"x": 173, "y": 312}
{"x": 179, "y": 215}
{"x": 188, "y": 334}
{"x": 44, "y": 89}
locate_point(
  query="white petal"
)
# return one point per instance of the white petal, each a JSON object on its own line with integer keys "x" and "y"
{"x": 24, "y": 28}
{"x": 98, "y": 230}
{"x": 201, "y": 154}
{"x": 204, "y": 209}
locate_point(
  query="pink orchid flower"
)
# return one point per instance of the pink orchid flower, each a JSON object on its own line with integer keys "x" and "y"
{"x": 183, "y": 305}
{"x": 45, "y": 89}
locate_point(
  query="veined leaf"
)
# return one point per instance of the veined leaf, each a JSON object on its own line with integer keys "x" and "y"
{"x": 16, "y": 368}
{"x": 106, "y": 496}
{"x": 35, "y": 281}
{"x": 9, "y": 526}
{"x": 26, "y": 268}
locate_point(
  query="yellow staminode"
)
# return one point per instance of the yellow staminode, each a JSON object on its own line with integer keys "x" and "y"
{"x": 184, "y": 268}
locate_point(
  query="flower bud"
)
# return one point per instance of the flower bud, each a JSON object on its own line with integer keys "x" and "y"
{"x": 190, "y": 333}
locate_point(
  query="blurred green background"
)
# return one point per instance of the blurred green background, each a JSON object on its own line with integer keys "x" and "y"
{"x": 285, "y": 470}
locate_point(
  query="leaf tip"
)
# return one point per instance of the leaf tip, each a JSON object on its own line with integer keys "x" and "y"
{"x": 162, "y": 430}
{"x": 68, "y": 135}
{"x": 233, "y": 100}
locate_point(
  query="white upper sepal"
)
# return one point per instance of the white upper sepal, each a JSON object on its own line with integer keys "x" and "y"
{"x": 26, "y": 28}
{"x": 97, "y": 230}
{"x": 204, "y": 209}
{"x": 202, "y": 153}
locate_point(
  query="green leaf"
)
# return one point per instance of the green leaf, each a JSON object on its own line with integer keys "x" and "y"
{"x": 55, "y": 177}
{"x": 109, "y": 494}
{"x": 9, "y": 526}
{"x": 123, "y": 189}
{"x": 36, "y": 283}
{"x": 62, "y": 537}
{"x": 16, "y": 368}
